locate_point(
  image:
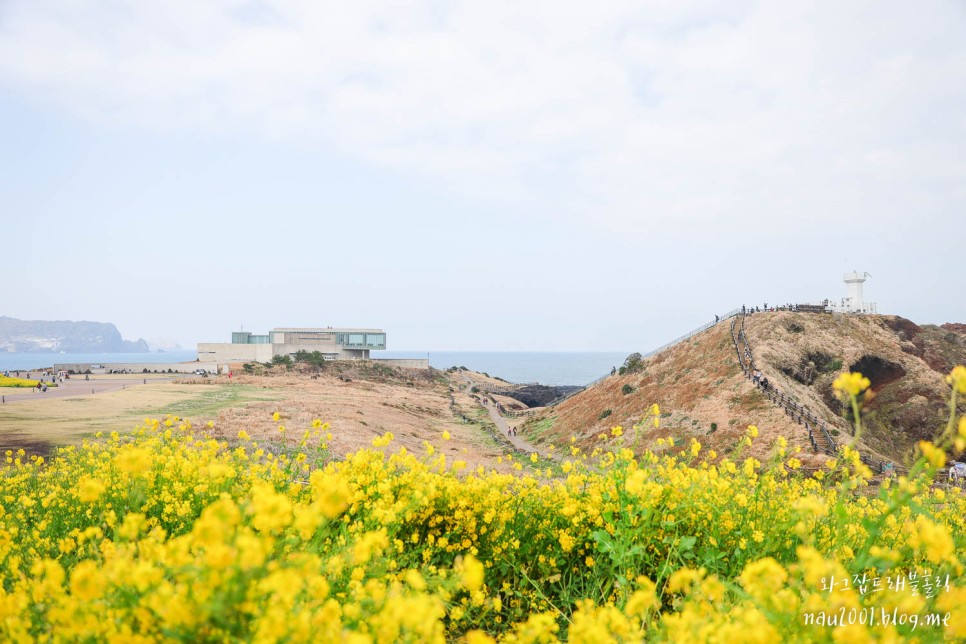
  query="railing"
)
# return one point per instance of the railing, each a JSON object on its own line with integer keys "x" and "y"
{"x": 795, "y": 410}
{"x": 686, "y": 336}
{"x": 798, "y": 411}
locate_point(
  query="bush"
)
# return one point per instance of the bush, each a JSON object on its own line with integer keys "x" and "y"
{"x": 282, "y": 359}
{"x": 315, "y": 358}
{"x": 633, "y": 363}
{"x": 604, "y": 414}
{"x": 714, "y": 428}
{"x": 627, "y": 389}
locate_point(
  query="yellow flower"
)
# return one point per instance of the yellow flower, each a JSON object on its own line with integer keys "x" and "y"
{"x": 957, "y": 378}
{"x": 683, "y": 578}
{"x": 89, "y": 489}
{"x": 566, "y": 541}
{"x": 935, "y": 456}
{"x": 851, "y": 384}
{"x": 471, "y": 573}
{"x": 752, "y": 431}
{"x": 616, "y": 431}
{"x": 86, "y": 581}
{"x": 643, "y": 599}
{"x": 534, "y": 457}
{"x": 445, "y": 435}
{"x": 134, "y": 460}
{"x": 935, "y": 540}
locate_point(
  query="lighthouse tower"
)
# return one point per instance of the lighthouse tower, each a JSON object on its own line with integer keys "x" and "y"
{"x": 855, "y": 303}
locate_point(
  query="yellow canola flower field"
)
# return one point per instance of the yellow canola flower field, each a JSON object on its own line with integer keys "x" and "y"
{"x": 169, "y": 535}
{"x": 22, "y": 383}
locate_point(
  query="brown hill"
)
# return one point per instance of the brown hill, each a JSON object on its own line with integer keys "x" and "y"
{"x": 703, "y": 393}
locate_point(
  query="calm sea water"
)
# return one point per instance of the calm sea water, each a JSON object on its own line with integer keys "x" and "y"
{"x": 24, "y": 361}
{"x": 547, "y": 368}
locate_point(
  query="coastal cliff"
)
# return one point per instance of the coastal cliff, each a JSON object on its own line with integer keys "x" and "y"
{"x": 35, "y": 336}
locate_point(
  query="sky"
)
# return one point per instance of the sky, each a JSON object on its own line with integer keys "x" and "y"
{"x": 535, "y": 176}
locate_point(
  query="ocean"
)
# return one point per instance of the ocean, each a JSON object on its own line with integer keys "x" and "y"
{"x": 547, "y": 368}
{"x": 25, "y": 361}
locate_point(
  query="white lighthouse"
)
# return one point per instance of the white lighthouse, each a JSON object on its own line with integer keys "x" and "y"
{"x": 855, "y": 303}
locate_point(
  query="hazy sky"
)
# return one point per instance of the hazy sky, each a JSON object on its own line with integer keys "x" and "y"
{"x": 477, "y": 175}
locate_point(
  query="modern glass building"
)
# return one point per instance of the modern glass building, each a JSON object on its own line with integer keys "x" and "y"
{"x": 334, "y": 344}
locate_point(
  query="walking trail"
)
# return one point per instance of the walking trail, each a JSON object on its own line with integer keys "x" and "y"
{"x": 490, "y": 405}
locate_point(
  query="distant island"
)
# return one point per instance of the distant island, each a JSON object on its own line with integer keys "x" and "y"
{"x": 44, "y": 336}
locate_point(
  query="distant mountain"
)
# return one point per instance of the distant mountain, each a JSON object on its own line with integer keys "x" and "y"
{"x": 35, "y": 336}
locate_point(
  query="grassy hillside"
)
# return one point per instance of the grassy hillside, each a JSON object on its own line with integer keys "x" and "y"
{"x": 699, "y": 388}
{"x": 907, "y": 364}
{"x": 703, "y": 394}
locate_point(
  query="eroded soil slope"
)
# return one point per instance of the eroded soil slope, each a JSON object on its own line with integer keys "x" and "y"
{"x": 700, "y": 389}
{"x": 907, "y": 364}
{"x": 703, "y": 394}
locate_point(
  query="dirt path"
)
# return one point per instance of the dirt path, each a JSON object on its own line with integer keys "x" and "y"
{"x": 502, "y": 425}
{"x": 490, "y": 405}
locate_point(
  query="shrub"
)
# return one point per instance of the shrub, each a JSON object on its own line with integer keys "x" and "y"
{"x": 627, "y": 389}
{"x": 282, "y": 359}
{"x": 714, "y": 428}
{"x": 604, "y": 414}
{"x": 633, "y": 363}
{"x": 315, "y": 358}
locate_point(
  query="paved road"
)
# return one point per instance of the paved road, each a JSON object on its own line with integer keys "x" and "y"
{"x": 79, "y": 387}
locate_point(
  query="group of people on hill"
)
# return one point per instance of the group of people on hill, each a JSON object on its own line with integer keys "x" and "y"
{"x": 759, "y": 379}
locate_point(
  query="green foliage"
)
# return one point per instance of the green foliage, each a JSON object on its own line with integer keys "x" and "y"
{"x": 315, "y": 358}
{"x": 282, "y": 359}
{"x": 714, "y": 428}
{"x": 604, "y": 414}
{"x": 627, "y": 389}
{"x": 632, "y": 364}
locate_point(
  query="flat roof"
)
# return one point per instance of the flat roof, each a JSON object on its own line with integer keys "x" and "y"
{"x": 326, "y": 330}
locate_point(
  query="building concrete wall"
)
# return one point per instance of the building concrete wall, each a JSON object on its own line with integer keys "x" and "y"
{"x": 228, "y": 352}
{"x": 139, "y": 367}
{"x": 405, "y": 363}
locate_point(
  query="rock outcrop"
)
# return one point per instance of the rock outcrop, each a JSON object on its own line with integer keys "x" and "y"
{"x": 35, "y": 336}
